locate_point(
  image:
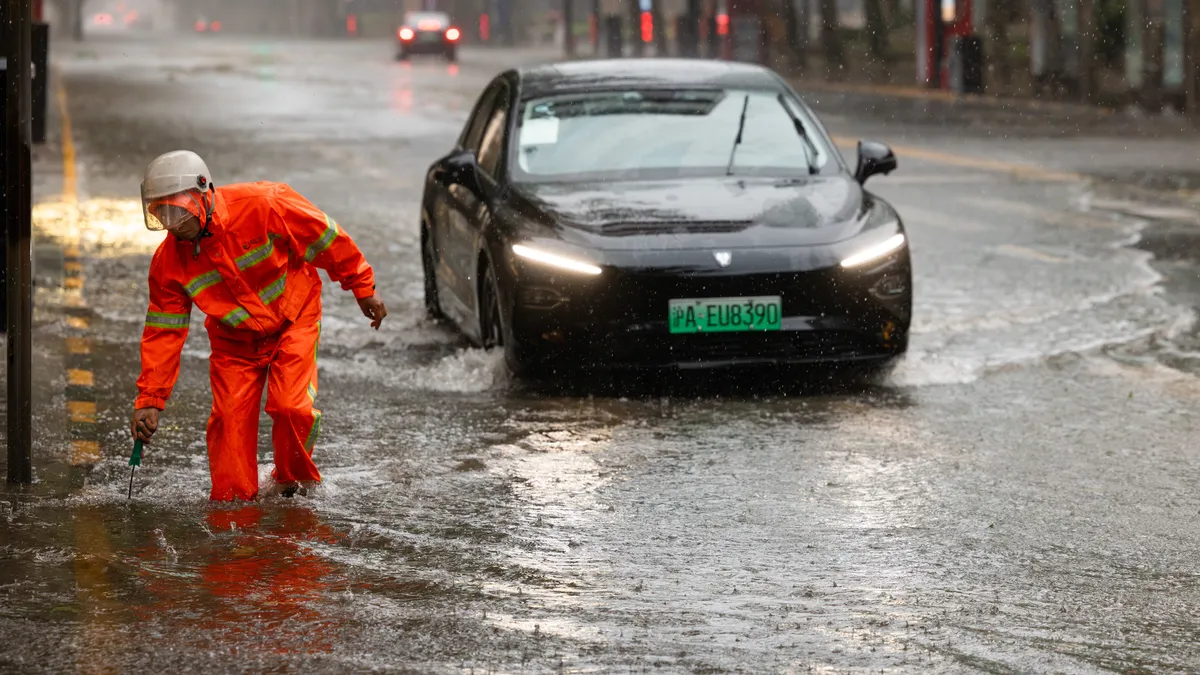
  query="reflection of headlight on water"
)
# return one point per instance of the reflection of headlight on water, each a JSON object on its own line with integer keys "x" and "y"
{"x": 103, "y": 227}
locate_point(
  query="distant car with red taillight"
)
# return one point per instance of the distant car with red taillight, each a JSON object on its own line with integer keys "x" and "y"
{"x": 427, "y": 33}
{"x": 203, "y": 25}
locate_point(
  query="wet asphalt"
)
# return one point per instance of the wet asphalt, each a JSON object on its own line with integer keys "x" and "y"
{"x": 1018, "y": 496}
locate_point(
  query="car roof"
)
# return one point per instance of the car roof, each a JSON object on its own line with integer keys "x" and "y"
{"x": 607, "y": 74}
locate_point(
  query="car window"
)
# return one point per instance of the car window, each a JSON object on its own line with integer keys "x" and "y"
{"x": 492, "y": 144}
{"x": 677, "y": 133}
{"x": 474, "y": 129}
{"x": 427, "y": 20}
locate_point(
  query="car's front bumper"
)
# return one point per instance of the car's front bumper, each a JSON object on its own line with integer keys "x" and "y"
{"x": 620, "y": 318}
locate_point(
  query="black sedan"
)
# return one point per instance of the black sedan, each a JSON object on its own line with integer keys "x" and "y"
{"x": 427, "y": 33}
{"x": 662, "y": 214}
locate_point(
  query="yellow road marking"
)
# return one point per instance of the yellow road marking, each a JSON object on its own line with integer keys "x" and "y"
{"x": 937, "y": 179}
{"x": 72, "y": 266}
{"x": 82, "y": 411}
{"x": 85, "y": 452}
{"x": 77, "y": 345}
{"x": 916, "y": 215}
{"x": 98, "y": 633}
{"x": 77, "y": 322}
{"x": 969, "y": 162}
{"x": 81, "y": 378}
{"x": 70, "y": 193}
{"x": 73, "y": 283}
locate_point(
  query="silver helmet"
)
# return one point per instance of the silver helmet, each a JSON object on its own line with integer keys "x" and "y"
{"x": 177, "y": 185}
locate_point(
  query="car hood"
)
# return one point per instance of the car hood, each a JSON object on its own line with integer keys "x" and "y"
{"x": 723, "y": 213}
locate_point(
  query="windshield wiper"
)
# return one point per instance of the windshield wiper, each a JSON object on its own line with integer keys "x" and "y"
{"x": 799, "y": 125}
{"x": 738, "y": 141}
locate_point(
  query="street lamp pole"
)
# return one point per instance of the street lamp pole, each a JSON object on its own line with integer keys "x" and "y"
{"x": 18, "y": 216}
{"x": 568, "y": 19}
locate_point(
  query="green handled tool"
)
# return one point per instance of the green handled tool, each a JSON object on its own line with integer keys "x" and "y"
{"x": 135, "y": 460}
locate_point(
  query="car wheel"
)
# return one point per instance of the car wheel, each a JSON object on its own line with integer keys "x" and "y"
{"x": 452, "y": 56}
{"x": 491, "y": 324}
{"x": 433, "y": 307}
{"x": 401, "y": 56}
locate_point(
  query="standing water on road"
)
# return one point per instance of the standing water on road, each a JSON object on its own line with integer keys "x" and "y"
{"x": 1011, "y": 498}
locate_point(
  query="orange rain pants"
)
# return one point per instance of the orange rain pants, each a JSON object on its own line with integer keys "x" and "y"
{"x": 287, "y": 364}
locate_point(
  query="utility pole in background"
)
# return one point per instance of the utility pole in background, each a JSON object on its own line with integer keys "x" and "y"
{"x": 1153, "y": 38}
{"x": 18, "y": 216}
{"x": 597, "y": 28}
{"x": 635, "y": 27}
{"x": 1191, "y": 55}
{"x": 1086, "y": 35}
{"x": 689, "y": 30}
{"x": 568, "y": 19}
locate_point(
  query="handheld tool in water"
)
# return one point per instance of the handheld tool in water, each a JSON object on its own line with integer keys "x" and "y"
{"x": 135, "y": 460}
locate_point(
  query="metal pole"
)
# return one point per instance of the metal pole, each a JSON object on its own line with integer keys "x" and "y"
{"x": 18, "y": 218}
{"x": 1153, "y": 35}
{"x": 1085, "y": 32}
{"x": 568, "y": 19}
{"x": 1191, "y": 51}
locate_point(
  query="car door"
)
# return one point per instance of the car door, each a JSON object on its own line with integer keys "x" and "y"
{"x": 491, "y": 154}
{"x": 451, "y": 236}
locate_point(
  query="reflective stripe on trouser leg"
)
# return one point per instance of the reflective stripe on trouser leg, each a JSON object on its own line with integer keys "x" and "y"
{"x": 291, "y": 390}
{"x": 237, "y": 384}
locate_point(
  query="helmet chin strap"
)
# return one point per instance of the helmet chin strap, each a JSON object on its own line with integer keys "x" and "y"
{"x": 206, "y": 231}
{"x": 206, "y": 228}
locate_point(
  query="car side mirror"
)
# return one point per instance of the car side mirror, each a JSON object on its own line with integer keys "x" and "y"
{"x": 873, "y": 158}
{"x": 461, "y": 168}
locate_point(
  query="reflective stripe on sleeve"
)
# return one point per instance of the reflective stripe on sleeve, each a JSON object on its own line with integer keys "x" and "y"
{"x": 202, "y": 282}
{"x": 235, "y": 318}
{"x": 326, "y": 240}
{"x": 165, "y": 320}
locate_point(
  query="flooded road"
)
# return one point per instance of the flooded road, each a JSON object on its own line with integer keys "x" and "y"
{"x": 1019, "y": 496}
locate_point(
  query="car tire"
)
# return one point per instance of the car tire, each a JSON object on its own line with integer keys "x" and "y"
{"x": 433, "y": 306}
{"x": 401, "y": 56}
{"x": 452, "y": 56}
{"x": 491, "y": 319}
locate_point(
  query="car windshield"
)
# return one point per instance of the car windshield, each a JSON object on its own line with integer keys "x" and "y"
{"x": 427, "y": 20}
{"x": 653, "y": 134}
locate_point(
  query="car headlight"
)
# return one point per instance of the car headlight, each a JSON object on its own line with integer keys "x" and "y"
{"x": 555, "y": 260}
{"x": 875, "y": 252}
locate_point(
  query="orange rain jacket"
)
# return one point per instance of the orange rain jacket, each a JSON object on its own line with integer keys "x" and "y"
{"x": 253, "y": 277}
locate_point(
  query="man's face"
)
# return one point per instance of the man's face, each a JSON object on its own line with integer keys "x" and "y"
{"x": 188, "y": 229}
{"x": 183, "y": 223}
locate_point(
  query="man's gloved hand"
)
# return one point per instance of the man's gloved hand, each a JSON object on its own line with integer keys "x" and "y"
{"x": 373, "y": 309}
{"x": 145, "y": 423}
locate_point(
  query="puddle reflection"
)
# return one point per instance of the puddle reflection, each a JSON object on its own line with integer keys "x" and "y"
{"x": 256, "y": 583}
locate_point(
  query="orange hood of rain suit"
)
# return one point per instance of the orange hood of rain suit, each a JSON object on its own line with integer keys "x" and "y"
{"x": 255, "y": 279}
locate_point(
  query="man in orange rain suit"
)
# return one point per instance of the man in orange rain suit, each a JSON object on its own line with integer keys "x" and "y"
{"x": 247, "y": 256}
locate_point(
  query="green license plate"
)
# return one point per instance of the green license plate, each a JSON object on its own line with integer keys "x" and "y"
{"x": 725, "y": 315}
